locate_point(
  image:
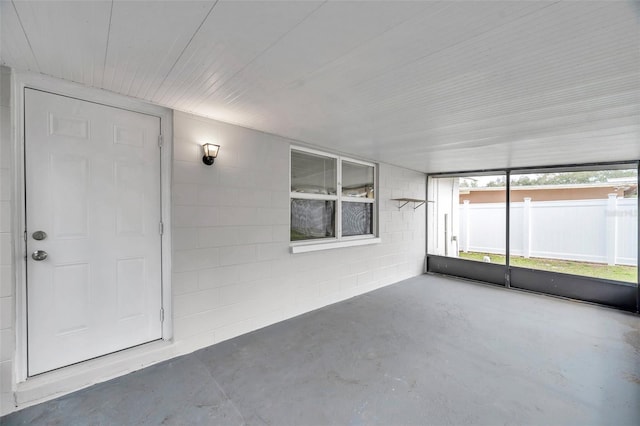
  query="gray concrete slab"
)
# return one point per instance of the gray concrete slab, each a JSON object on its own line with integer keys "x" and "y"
{"x": 429, "y": 350}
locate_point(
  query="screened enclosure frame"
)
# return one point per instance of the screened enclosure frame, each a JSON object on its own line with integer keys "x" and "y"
{"x": 617, "y": 294}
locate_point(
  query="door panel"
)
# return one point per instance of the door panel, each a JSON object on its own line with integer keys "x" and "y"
{"x": 69, "y": 181}
{"x": 93, "y": 185}
{"x": 71, "y": 298}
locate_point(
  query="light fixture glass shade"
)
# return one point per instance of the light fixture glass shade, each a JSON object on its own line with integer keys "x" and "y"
{"x": 210, "y": 153}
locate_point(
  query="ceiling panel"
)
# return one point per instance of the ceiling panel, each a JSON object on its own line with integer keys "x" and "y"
{"x": 544, "y": 62}
{"x": 440, "y": 26}
{"x": 69, "y": 38}
{"x": 14, "y": 46}
{"x": 234, "y": 35}
{"x": 384, "y": 39}
{"x": 433, "y": 86}
{"x": 145, "y": 41}
{"x": 333, "y": 30}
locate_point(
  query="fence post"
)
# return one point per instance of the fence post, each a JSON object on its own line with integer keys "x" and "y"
{"x": 526, "y": 228}
{"x": 465, "y": 222}
{"x": 612, "y": 228}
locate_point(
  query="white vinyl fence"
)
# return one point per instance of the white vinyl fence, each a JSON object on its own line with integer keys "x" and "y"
{"x": 603, "y": 231}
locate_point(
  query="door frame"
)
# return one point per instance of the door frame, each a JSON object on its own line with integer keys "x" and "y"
{"x": 24, "y": 80}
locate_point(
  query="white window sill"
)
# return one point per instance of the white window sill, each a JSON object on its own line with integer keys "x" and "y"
{"x": 305, "y": 248}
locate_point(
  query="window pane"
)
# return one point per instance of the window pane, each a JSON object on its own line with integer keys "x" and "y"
{"x": 467, "y": 217}
{"x": 357, "y": 180}
{"x": 311, "y": 219}
{"x": 357, "y": 219}
{"x": 579, "y": 222}
{"x": 313, "y": 174}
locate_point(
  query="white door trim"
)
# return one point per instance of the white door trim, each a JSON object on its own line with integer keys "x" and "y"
{"x": 22, "y": 80}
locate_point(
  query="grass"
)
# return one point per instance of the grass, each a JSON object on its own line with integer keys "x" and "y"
{"x": 299, "y": 236}
{"x": 596, "y": 270}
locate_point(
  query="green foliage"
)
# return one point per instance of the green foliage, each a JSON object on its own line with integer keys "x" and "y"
{"x": 598, "y": 270}
{"x": 468, "y": 183}
{"x": 566, "y": 178}
{"x": 499, "y": 182}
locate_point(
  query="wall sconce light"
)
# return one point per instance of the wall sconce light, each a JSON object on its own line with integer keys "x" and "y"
{"x": 210, "y": 153}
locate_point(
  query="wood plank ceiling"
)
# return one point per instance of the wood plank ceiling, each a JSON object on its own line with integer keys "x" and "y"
{"x": 432, "y": 86}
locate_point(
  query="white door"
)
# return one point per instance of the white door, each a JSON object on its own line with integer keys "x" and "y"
{"x": 92, "y": 177}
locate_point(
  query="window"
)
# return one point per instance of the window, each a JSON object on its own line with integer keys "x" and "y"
{"x": 579, "y": 222}
{"x": 467, "y": 217}
{"x": 571, "y": 231}
{"x": 332, "y": 197}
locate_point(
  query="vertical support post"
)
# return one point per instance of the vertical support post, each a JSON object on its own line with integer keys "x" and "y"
{"x": 465, "y": 222}
{"x": 526, "y": 228}
{"x": 507, "y": 273}
{"x": 446, "y": 234}
{"x": 612, "y": 228}
{"x": 427, "y": 215}
{"x": 638, "y": 249}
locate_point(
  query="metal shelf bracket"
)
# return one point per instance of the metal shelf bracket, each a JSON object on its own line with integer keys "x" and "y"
{"x": 416, "y": 202}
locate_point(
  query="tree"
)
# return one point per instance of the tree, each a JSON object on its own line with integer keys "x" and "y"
{"x": 501, "y": 181}
{"x": 565, "y": 178}
{"x": 468, "y": 183}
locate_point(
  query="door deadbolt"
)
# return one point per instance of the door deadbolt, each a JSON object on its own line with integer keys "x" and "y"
{"x": 39, "y": 255}
{"x": 39, "y": 235}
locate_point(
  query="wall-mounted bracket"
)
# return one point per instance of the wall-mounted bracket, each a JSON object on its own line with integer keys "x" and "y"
{"x": 416, "y": 202}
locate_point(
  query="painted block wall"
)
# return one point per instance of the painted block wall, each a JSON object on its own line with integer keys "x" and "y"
{"x": 7, "y": 282}
{"x": 232, "y": 268}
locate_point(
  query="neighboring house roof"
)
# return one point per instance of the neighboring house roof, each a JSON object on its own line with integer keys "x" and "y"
{"x": 551, "y": 192}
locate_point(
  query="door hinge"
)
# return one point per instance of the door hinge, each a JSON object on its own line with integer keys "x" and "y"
{"x": 161, "y": 228}
{"x": 25, "y": 235}
{"x": 161, "y": 314}
{"x": 160, "y": 140}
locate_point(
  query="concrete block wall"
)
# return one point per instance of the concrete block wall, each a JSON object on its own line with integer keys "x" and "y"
{"x": 232, "y": 268}
{"x": 7, "y": 281}
{"x": 232, "y": 271}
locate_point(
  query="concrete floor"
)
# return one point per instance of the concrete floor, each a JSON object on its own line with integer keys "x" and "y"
{"x": 429, "y": 350}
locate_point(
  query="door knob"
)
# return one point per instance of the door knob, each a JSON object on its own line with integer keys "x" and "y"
{"x": 39, "y": 235}
{"x": 39, "y": 255}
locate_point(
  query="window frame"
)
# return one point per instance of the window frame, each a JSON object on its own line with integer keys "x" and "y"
{"x": 338, "y": 240}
